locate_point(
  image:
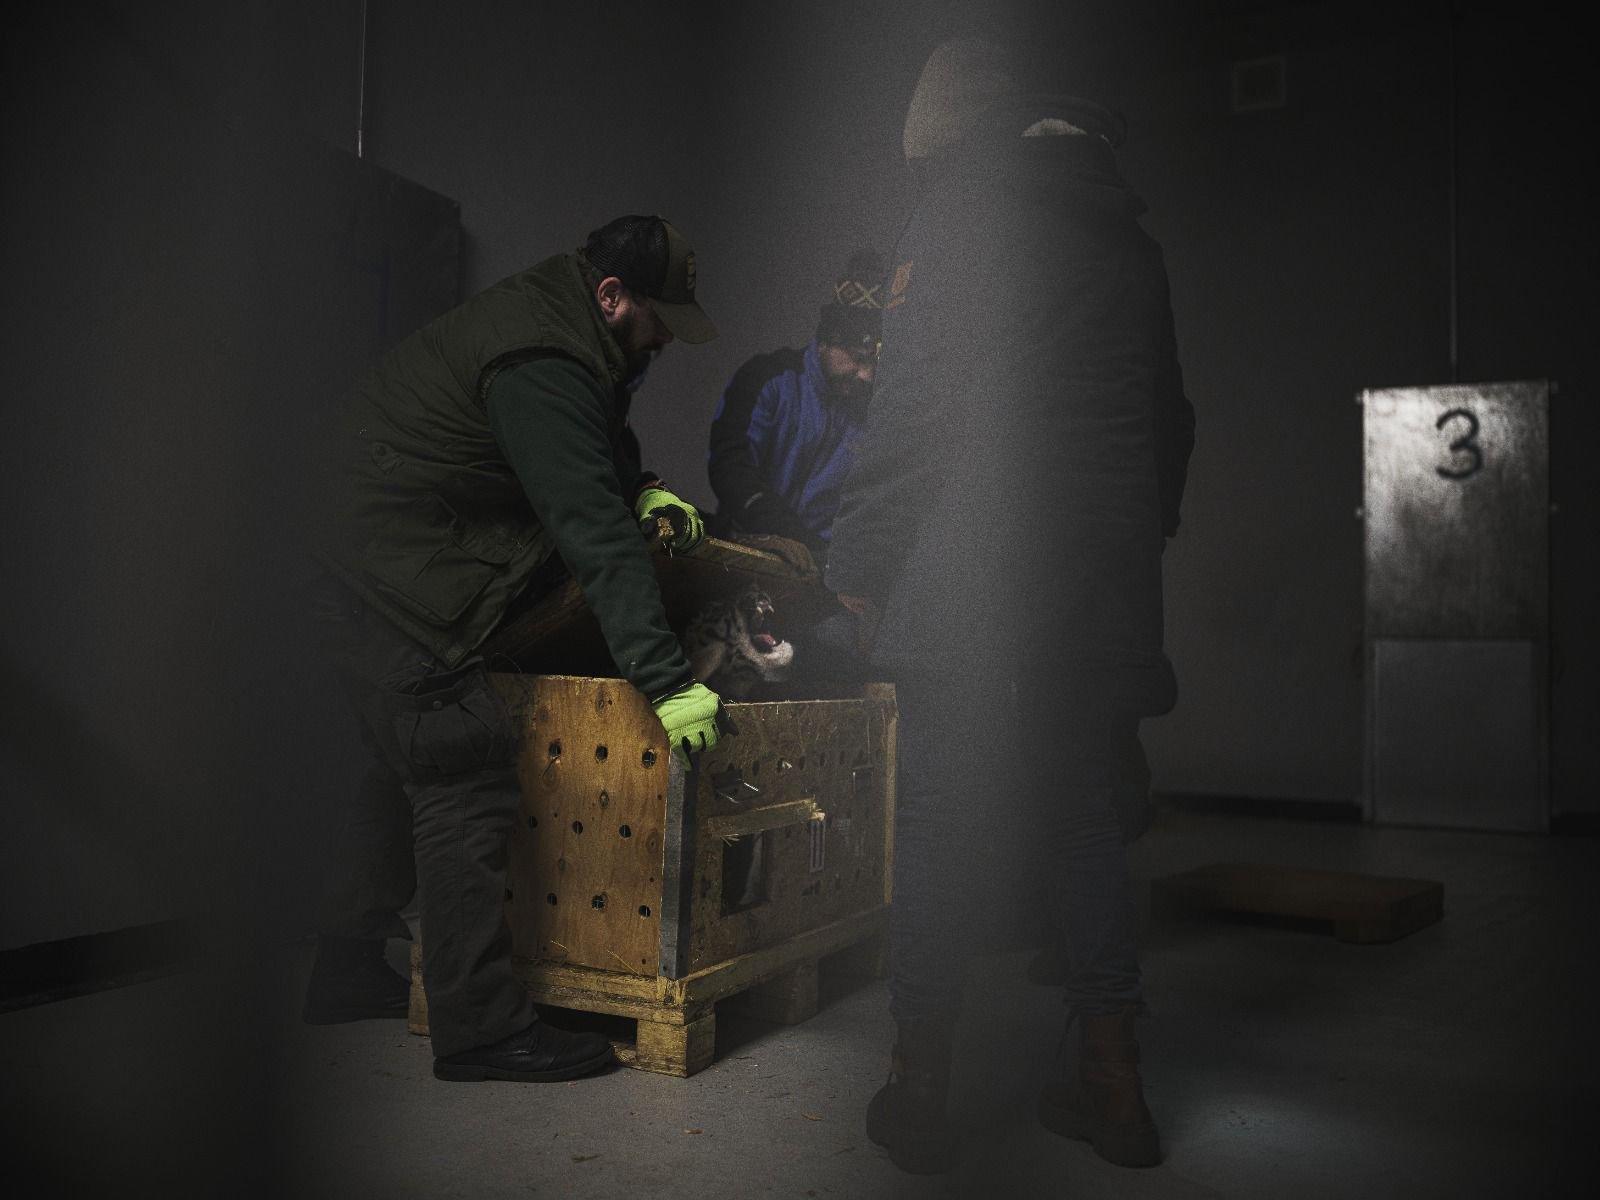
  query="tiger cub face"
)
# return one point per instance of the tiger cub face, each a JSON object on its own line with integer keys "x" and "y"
{"x": 734, "y": 647}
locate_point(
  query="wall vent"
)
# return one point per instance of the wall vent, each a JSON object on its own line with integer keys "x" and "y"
{"x": 1258, "y": 84}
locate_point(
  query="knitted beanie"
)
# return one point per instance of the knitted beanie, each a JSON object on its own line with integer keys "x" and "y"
{"x": 853, "y": 316}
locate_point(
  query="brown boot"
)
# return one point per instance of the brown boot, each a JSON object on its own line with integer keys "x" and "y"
{"x": 1105, "y": 1104}
{"x": 907, "y": 1116}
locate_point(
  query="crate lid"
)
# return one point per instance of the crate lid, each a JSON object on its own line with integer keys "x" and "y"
{"x": 559, "y": 635}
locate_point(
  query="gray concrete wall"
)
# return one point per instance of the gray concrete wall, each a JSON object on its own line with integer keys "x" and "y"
{"x": 1310, "y": 257}
{"x": 1308, "y": 249}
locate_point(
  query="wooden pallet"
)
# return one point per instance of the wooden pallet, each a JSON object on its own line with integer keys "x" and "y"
{"x": 676, "y": 1019}
{"x": 1359, "y": 908}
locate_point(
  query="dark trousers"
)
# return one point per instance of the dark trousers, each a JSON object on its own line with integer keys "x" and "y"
{"x": 989, "y": 775}
{"x": 431, "y": 819}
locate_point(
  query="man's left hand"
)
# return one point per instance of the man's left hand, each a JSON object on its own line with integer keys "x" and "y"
{"x": 688, "y": 530}
{"x": 694, "y": 720}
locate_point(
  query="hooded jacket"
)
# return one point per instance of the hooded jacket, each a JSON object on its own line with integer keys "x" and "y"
{"x": 1029, "y": 435}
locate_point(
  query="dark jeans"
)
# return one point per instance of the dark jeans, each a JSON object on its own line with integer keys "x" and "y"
{"x": 430, "y": 819}
{"x": 988, "y": 774}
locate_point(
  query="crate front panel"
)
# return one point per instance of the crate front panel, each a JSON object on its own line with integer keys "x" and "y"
{"x": 806, "y": 782}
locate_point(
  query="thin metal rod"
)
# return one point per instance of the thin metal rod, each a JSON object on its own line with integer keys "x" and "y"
{"x": 1455, "y": 221}
{"x": 677, "y": 867}
{"x": 361, "y": 88}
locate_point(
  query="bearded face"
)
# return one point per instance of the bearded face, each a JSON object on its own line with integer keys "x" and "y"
{"x": 642, "y": 336}
{"x": 849, "y": 371}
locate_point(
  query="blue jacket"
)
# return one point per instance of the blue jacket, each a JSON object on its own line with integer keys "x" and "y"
{"x": 781, "y": 447}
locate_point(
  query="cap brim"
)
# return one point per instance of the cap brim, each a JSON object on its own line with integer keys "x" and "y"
{"x": 688, "y": 322}
{"x": 1093, "y": 117}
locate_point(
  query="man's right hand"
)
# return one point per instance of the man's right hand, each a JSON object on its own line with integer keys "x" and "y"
{"x": 867, "y": 616}
{"x": 656, "y": 503}
{"x": 694, "y": 719}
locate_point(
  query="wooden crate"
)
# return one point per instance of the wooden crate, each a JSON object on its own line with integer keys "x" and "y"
{"x": 1356, "y": 907}
{"x": 649, "y": 891}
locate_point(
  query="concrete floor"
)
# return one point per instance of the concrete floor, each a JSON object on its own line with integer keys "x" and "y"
{"x": 1457, "y": 1062}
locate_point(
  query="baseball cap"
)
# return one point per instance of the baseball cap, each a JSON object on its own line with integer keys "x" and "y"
{"x": 651, "y": 256}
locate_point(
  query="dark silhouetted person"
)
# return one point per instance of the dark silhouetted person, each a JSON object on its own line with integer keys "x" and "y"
{"x": 1003, "y": 527}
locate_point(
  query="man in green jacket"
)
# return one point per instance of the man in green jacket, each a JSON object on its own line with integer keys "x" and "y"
{"x": 486, "y": 453}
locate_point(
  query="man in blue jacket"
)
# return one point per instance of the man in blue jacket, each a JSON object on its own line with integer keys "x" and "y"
{"x": 786, "y": 429}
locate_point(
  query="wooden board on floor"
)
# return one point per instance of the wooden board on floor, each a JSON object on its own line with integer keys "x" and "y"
{"x": 1360, "y": 908}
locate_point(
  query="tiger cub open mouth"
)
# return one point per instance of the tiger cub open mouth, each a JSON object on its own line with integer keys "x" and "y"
{"x": 735, "y": 645}
{"x": 759, "y": 620}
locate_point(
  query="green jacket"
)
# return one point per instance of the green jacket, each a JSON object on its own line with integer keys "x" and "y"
{"x": 481, "y": 445}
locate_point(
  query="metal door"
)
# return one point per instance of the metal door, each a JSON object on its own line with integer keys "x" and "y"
{"x": 1456, "y": 502}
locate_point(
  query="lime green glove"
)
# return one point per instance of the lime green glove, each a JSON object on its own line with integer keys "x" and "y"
{"x": 694, "y": 719}
{"x": 687, "y": 527}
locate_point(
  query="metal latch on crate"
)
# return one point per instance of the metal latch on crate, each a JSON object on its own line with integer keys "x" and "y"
{"x": 732, "y": 787}
{"x": 819, "y": 841}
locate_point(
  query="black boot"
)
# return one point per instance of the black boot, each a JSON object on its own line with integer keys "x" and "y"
{"x": 1104, "y": 1105}
{"x": 538, "y": 1054}
{"x": 350, "y": 981}
{"x": 907, "y": 1116}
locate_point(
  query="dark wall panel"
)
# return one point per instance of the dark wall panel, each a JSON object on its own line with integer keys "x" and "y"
{"x": 191, "y": 280}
